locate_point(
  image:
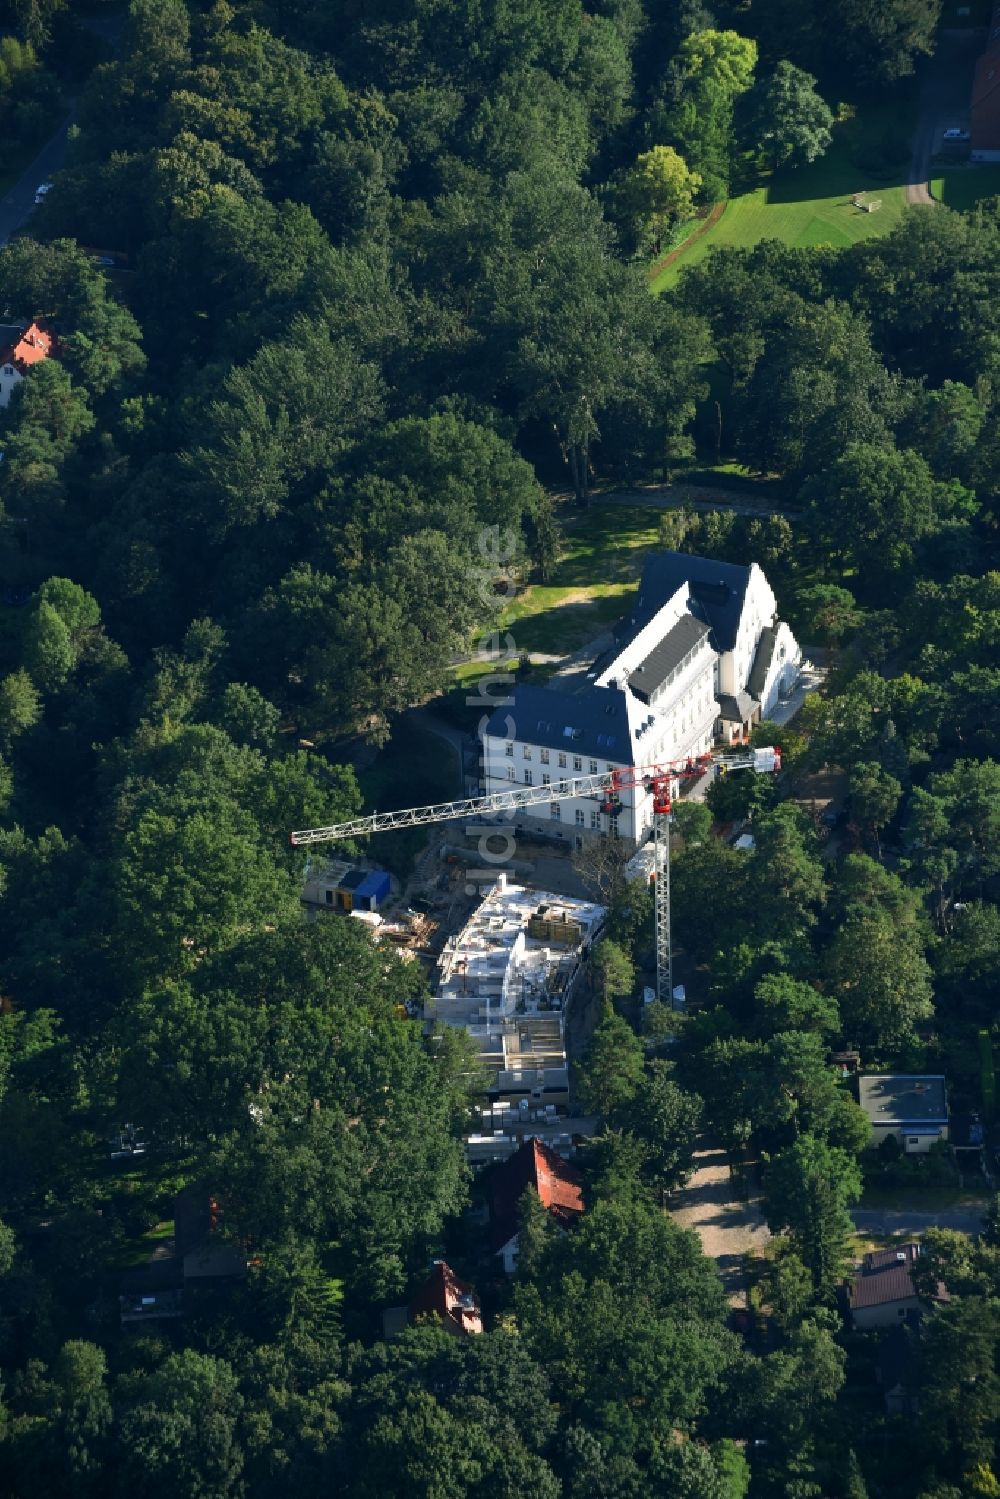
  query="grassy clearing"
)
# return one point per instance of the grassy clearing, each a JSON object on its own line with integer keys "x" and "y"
{"x": 962, "y": 187}
{"x": 141, "y": 1250}
{"x": 602, "y": 555}
{"x": 811, "y": 205}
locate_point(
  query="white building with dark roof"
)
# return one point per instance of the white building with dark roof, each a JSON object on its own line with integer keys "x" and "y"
{"x": 701, "y": 659}
{"x": 913, "y": 1108}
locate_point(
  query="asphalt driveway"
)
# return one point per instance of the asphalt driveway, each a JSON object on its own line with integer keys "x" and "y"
{"x": 18, "y": 205}
{"x": 892, "y": 1221}
{"x": 946, "y": 87}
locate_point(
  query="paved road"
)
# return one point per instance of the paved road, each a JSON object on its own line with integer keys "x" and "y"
{"x": 18, "y": 205}
{"x": 16, "y": 208}
{"x": 891, "y": 1221}
{"x": 944, "y": 101}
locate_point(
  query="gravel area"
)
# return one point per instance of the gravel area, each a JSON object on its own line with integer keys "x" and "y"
{"x": 727, "y": 1227}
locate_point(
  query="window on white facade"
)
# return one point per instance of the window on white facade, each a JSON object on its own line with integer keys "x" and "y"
{"x": 508, "y": 748}
{"x": 562, "y": 761}
{"x": 595, "y": 819}
{"x": 510, "y": 773}
{"x": 579, "y": 818}
{"x": 577, "y": 763}
{"x": 546, "y": 780}
{"x": 544, "y": 756}
{"x": 526, "y": 751}
{"x": 527, "y": 777}
{"x": 555, "y": 811}
{"x": 593, "y": 767}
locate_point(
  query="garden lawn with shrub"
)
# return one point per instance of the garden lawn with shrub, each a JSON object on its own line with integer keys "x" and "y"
{"x": 811, "y": 205}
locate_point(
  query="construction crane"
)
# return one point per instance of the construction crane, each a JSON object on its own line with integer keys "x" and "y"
{"x": 658, "y": 779}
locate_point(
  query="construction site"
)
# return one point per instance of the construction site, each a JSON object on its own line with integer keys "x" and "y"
{"x": 507, "y": 979}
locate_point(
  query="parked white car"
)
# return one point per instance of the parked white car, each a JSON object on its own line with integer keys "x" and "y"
{"x": 41, "y": 190}
{"x": 955, "y": 134}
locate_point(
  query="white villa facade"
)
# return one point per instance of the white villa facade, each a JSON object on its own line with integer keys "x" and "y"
{"x": 702, "y": 658}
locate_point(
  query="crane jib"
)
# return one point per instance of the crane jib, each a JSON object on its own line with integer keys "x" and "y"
{"x": 652, "y": 778}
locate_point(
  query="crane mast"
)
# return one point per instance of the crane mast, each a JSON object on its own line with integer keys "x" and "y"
{"x": 659, "y": 779}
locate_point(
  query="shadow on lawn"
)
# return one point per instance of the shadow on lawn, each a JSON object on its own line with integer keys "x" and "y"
{"x": 565, "y": 627}
{"x": 839, "y": 175}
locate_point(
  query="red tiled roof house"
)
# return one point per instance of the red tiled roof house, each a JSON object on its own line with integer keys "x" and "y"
{"x": 984, "y": 113}
{"x": 444, "y": 1296}
{"x": 21, "y": 346}
{"x": 559, "y": 1188}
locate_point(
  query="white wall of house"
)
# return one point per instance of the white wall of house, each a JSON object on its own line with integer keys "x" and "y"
{"x": 9, "y": 378}
{"x": 678, "y": 723}
{"x": 915, "y": 1140}
{"x": 888, "y": 1314}
{"x": 509, "y": 1252}
{"x": 759, "y": 609}
{"x": 783, "y": 671}
{"x": 513, "y": 764}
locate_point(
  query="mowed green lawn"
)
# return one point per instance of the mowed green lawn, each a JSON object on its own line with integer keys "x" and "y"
{"x": 963, "y": 187}
{"x": 598, "y": 568}
{"x": 811, "y": 205}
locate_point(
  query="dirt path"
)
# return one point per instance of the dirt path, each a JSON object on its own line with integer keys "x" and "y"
{"x": 727, "y": 1227}
{"x": 706, "y": 224}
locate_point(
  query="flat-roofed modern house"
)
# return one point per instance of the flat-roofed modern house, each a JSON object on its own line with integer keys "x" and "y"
{"x": 912, "y": 1108}
{"x": 702, "y": 658}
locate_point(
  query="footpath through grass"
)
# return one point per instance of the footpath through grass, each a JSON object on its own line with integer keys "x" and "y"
{"x": 811, "y": 205}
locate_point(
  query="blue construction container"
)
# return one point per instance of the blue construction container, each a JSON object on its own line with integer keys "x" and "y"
{"x": 372, "y": 891}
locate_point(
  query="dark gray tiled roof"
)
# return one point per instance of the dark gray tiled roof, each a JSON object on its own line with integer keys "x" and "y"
{"x": 762, "y": 660}
{"x": 884, "y": 1277}
{"x": 663, "y": 658}
{"x": 10, "y": 335}
{"x": 596, "y": 721}
{"x": 736, "y": 709}
{"x": 717, "y": 587}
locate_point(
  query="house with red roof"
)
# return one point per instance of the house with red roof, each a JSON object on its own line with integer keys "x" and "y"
{"x": 984, "y": 111}
{"x": 559, "y": 1186}
{"x": 444, "y": 1296}
{"x": 21, "y": 346}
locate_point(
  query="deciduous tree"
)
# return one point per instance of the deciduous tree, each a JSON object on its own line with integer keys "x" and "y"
{"x": 807, "y": 1189}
